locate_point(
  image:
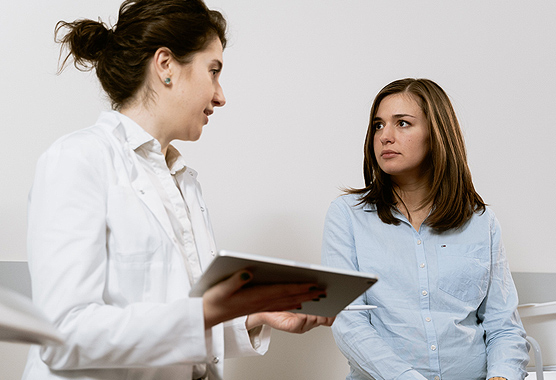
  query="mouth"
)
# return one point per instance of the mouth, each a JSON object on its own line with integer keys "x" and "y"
{"x": 207, "y": 113}
{"x": 388, "y": 153}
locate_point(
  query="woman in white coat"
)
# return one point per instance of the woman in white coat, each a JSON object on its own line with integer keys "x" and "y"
{"x": 118, "y": 230}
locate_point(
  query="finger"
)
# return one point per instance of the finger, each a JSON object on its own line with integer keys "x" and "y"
{"x": 233, "y": 284}
{"x": 293, "y": 292}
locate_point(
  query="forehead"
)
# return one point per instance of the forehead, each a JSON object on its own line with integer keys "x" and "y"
{"x": 400, "y": 103}
{"x": 213, "y": 51}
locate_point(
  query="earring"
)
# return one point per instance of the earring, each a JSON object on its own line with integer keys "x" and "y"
{"x": 167, "y": 80}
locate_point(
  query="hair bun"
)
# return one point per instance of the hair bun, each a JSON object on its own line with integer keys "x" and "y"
{"x": 86, "y": 40}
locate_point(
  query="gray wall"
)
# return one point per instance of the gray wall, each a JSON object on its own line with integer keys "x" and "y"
{"x": 299, "y": 77}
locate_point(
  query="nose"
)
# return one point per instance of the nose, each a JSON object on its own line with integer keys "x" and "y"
{"x": 387, "y": 135}
{"x": 219, "y": 99}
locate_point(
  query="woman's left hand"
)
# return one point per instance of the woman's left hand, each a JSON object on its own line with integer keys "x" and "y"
{"x": 286, "y": 321}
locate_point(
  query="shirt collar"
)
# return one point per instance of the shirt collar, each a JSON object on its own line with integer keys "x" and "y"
{"x": 137, "y": 137}
{"x": 369, "y": 207}
{"x": 176, "y": 162}
{"x": 134, "y": 134}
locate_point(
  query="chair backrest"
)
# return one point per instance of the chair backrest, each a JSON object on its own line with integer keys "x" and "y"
{"x": 535, "y": 287}
{"x": 538, "y": 321}
{"x": 15, "y": 275}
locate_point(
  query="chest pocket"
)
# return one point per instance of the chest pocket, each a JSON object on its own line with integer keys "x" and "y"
{"x": 463, "y": 270}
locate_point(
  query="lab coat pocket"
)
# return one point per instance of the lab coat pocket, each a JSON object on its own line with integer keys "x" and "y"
{"x": 134, "y": 245}
{"x": 463, "y": 270}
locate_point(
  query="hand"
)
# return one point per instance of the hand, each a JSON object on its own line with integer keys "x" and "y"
{"x": 229, "y": 299}
{"x": 289, "y": 322}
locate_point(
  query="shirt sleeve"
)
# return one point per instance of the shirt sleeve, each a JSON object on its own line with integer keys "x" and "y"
{"x": 68, "y": 265}
{"x": 354, "y": 333}
{"x": 507, "y": 348}
{"x": 241, "y": 342}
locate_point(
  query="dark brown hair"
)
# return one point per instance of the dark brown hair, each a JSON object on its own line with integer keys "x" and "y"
{"x": 452, "y": 195}
{"x": 120, "y": 54}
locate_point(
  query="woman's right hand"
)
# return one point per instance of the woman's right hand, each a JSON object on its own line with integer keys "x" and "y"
{"x": 228, "y": 299}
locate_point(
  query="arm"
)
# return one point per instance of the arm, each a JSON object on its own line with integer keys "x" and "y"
{"x": 355, "y": 335}
{"x": 507, "y": 347}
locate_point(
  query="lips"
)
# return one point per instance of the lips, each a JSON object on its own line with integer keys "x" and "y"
{"x": 207, "y": 114}
{"x": 388, "y": 154}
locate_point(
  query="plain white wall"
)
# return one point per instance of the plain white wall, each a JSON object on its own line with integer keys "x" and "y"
{"x": 299, "y": 77}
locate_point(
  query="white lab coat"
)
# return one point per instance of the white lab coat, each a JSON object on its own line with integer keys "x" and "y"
{"x": 107, "y": 271}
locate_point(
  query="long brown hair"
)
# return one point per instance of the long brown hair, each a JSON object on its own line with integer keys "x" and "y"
{"x": 452, "y": 194}
{"x": 120, "y": 54}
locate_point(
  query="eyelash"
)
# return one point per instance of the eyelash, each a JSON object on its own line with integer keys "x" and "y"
{"x": 379, "y": 126}
{"x": 215, "y": 72}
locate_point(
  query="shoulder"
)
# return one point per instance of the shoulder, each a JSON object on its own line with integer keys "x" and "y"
{"x": 481, "y": 224}
{"x": 86, "y": 154}
{"x": 349, "y": 206}
{"x": 347, "y": 200}
{"x": 486, "y": 216}
{"x": 89, "y": 143}
{"x": 352, "y": 203}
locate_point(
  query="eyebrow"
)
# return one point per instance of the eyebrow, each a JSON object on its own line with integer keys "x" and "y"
{"x": 397, "y": 116}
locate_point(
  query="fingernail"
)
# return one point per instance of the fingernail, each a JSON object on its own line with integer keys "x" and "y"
{"x": 316, "y": 299}
{"x": 245, "y": 276}
{"x": 322, "y": 295}
{"x": 313, "y": 288}
{"x": 299, "y": 308}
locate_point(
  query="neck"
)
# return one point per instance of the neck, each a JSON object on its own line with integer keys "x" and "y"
{"x": 412, "y": 193}
{"x": 148, "y": 120}
{"x": 411, "y": 200}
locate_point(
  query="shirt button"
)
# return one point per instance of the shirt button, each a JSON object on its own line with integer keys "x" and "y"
{"x": 215, "y": 360}
{"x": 418, "y": 242}
{"x": 433, "y": 347}
{"x": 422, "y": 265}
{"x": 427, "y": 319}
{"x": 202, "y": 209}
{"x": 424, "y": 292}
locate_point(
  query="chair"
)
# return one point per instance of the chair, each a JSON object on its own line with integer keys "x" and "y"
{"x": 537, "y": 310}
{"x": 15, "y": 275}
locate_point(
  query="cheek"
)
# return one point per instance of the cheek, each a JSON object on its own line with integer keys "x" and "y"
{"x": 376, "y": 144}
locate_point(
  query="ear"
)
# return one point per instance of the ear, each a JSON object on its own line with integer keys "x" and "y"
{"x": 163, "y": 60}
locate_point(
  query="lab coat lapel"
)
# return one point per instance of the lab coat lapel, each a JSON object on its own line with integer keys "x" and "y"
{"x": 148, "y": 194}
{"x": 141, "y": 183}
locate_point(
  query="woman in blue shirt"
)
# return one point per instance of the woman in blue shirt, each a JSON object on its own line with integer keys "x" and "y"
{"x": 446, "y": 300}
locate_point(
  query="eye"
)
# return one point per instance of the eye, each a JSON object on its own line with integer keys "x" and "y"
{"x": 403, "y": 123}
{"x": 214, "y": 72}
{"x": 378, "y": 126}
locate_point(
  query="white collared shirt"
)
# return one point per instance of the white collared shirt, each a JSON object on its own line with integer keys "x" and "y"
{"x": 166, "y": 175}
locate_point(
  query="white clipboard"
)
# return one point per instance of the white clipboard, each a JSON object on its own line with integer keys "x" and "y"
{"x": 342, "y": 286}
{"x": 21, "y": 321}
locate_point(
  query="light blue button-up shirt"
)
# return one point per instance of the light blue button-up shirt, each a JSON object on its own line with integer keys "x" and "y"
{"x": 446, "y": 301}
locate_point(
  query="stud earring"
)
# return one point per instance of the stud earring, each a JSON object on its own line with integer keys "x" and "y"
{"x": 167, "y": 80}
